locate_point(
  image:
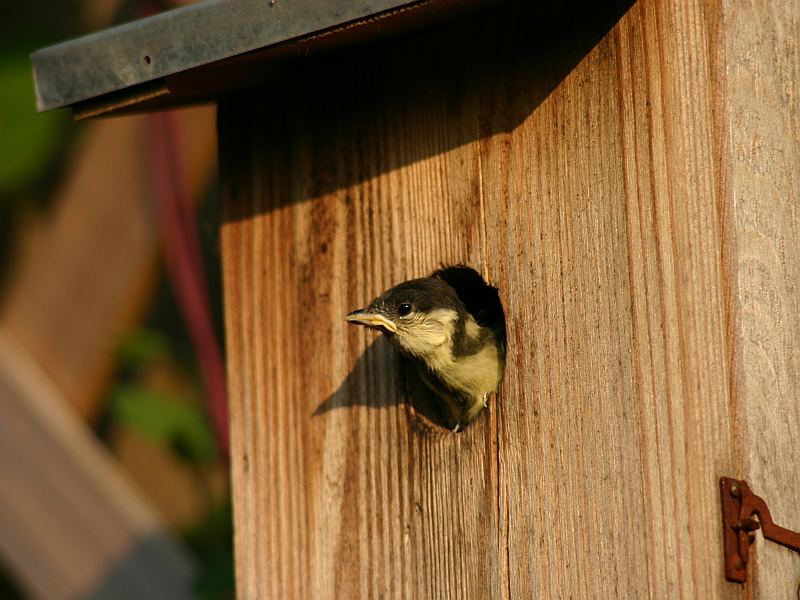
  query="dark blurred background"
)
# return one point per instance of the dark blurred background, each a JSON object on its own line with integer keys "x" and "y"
{"x": 112, "y": 457}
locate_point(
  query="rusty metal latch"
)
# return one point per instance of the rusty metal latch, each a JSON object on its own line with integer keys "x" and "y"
{"x": 739, "y": 505}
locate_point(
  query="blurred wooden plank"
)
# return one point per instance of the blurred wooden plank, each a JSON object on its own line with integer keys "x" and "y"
{"x": 86, "y": 272}
{"x": 761, "y": 177}
{"x": 73, "y": 526}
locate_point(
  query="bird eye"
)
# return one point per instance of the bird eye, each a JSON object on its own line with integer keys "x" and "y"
{"x": 404, "y": 310}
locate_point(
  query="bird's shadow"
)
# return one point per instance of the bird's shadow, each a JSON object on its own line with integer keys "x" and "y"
{"x": 382, "y": 378}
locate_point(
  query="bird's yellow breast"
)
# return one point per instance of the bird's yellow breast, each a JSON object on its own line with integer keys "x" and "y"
{"x": 431, "y": 340}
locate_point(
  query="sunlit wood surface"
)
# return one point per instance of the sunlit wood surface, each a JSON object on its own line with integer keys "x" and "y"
{"x": 628, "y": 180}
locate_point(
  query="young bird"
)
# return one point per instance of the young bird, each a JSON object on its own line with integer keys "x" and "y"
{"x": 460, "y": 360}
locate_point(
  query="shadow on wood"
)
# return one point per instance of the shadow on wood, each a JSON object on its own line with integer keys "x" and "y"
{"x": 423, "y": 405}
{"x": 353, "y": 391}
{"x": 512, "y": 47}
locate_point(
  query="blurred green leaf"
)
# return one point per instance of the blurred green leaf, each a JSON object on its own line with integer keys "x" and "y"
{"x": 142, "y": 346}
{"x": 29, "y": 140}
{"x": 166, "y": 419}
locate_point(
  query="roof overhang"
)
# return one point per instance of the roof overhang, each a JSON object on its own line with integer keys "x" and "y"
{"x": 197, "y": 52}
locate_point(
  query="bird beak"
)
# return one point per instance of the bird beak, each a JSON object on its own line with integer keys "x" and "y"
{"x": 370, "y": 317}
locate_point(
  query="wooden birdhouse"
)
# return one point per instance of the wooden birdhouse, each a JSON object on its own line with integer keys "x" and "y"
{"x": 625, "y": 175}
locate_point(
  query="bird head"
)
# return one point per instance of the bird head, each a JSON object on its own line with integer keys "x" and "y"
{"x": 419, "y": 316}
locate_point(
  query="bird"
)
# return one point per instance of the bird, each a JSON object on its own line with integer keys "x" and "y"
{"x": 459, "y": 359}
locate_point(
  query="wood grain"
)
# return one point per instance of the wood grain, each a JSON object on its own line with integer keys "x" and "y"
{"x": 584, "y": 165}
{"x": 762, "y": 169}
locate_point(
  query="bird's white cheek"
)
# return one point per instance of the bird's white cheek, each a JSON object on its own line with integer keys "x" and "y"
{"x": 421, "y": 341}
{"x": 428, "y": 336}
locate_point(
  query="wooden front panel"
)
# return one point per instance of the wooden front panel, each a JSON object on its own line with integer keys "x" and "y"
{"x": 581, "y": 163}
{"x": 762, "y": 193}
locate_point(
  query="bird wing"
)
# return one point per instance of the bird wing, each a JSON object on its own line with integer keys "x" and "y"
{"x": 459, "y": 406}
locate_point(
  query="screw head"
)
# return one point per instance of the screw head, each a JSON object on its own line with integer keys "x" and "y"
{"x": 735, "y": 490}
{"x": 738, "y": 564}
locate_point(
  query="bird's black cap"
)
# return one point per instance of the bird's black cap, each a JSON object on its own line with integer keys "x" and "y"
{"x": 424, "y": 295}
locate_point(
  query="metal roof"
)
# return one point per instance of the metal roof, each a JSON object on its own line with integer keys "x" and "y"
{"x": 143, "y": 54}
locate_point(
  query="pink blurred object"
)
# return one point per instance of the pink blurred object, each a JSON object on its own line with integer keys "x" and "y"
{"x": 183, "y": 260}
